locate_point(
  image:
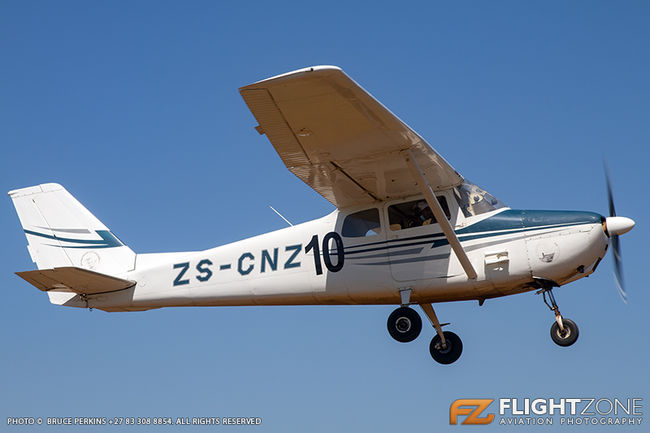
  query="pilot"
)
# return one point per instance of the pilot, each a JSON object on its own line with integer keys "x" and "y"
{"x": 426, "y": 215}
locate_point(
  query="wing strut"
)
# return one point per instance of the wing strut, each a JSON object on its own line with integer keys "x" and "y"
{"x": 435, "y": 207}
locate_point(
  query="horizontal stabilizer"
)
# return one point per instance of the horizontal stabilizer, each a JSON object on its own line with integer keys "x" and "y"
{"x": 77, "y": 280}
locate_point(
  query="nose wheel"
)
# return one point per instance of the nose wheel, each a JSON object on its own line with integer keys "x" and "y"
{"x": 567, "y": 336}
{"x": 564, "y": 332}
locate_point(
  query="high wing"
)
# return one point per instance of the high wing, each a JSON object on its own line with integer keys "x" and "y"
{"x": 340, "y": 140}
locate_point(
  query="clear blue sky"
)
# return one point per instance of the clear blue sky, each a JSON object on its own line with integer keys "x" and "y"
{"x": 133, "y": 106}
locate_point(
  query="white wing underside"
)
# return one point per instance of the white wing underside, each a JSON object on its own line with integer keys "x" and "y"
{"x": 340, "y": 140}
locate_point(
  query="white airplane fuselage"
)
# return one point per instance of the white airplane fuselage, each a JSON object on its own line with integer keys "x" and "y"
{"x": 509, "y": 249}
{"x": 408, "y": 229}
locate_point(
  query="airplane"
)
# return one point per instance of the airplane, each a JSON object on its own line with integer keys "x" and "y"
{"x": 407, "y": 230}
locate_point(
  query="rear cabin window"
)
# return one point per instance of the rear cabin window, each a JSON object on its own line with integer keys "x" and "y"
{"x": 414, "y": 214}
{"x": 360, "y": 224}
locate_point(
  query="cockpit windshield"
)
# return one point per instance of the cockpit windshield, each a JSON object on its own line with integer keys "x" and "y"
{"x": 474, "y": 200}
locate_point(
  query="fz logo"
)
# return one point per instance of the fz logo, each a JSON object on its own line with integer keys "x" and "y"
{"x": 471, "y": 408}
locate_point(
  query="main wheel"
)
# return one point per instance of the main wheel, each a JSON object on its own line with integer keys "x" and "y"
{"x": 404, "y": 324}
{"x": 449, "y": 354}
{"x": 568, "y": 336}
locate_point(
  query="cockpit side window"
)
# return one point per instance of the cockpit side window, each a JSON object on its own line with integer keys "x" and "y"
{"x": 360, "y": 224}
{"x": 473, "y": 200}
{"x": 414, "y": 214}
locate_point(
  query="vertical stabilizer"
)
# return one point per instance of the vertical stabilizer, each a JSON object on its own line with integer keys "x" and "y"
{"x": 62, "y": 232}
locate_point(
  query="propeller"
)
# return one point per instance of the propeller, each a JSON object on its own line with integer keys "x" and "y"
{"x": 616, "y": 226}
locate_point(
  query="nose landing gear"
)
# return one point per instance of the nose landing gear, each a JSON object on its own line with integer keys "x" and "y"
{"x": 564, "y": 332}
{"x": 567, "y": 336}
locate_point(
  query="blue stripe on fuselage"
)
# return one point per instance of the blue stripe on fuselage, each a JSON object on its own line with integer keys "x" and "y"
{"x": 507, "y": 222}
{"x": 514, "y": 219}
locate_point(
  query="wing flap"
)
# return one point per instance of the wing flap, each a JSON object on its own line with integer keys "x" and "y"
{"x": 72, "y": 279}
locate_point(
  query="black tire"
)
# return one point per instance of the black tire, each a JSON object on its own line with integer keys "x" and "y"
{"x": 451, "y": 353}
{"x": 404, "y": 324}
{"x": 566, "y": 338}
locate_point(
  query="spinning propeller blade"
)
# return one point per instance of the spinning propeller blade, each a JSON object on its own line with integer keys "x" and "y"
{"x": 616, "y": 245}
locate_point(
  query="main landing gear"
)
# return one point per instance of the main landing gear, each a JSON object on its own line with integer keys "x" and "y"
{"x": 564, "y": 332}
{"x": 404, "y": 325}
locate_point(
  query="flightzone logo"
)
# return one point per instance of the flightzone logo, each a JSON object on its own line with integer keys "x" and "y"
{"x": 547, "y": 411}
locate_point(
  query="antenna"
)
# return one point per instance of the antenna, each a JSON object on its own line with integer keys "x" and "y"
{"x": 280, "y": 215}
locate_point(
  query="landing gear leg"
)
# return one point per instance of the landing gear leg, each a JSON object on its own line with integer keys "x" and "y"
{"x": 564, "y": 332}
{"x": 446, "y": 347}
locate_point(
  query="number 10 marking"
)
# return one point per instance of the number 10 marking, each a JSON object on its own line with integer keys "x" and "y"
{"x": 313, "y": 245}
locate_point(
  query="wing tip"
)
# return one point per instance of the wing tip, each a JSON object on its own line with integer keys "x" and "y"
{"x": 308, "y": 69}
